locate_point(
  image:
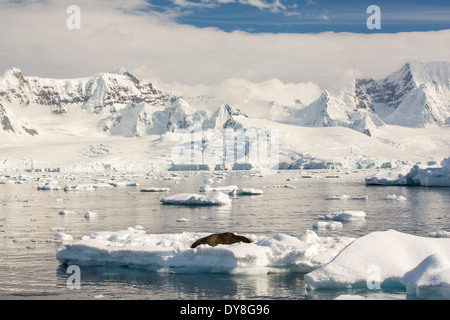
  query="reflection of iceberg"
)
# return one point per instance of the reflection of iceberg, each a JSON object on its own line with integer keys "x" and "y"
{"x": 415, "y": 176}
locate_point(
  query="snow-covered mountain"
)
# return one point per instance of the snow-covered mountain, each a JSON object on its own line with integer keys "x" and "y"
{"x": 100, "y": 93}
{"x": 140, "y": 119}
{"x": 9, "y": 124}
{"x": 329, "y": 111}
{"x": 417, "y": 95}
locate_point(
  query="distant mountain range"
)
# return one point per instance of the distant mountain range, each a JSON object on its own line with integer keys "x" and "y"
{"x": 417, "y": 95}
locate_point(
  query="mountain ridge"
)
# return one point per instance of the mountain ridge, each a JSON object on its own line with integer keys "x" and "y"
{"x": 416, "y": 95}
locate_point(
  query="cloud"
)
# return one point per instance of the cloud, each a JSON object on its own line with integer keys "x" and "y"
{"x": 119, "y": 33}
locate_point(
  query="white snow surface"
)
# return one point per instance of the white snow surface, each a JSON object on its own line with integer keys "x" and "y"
{"x": 172, "y": 253}
{"x": 390, "y": 253}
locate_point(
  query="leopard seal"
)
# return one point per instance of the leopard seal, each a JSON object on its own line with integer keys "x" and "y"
{"x": 221, "y": 238}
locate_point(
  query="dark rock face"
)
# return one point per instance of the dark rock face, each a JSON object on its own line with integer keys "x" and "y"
{"x": 221, "y": 238}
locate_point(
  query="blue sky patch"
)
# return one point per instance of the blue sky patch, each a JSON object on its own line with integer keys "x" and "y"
{"x": 306, "y": 16}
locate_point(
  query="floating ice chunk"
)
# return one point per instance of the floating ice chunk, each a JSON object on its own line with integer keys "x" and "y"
{"x": 154, "y": 189}
{"x": 396, "y": 176}
{"x": 382, "y": 256}
{"x": 48, "y": 185}
{"x": 347, "y": 215}
{"x": 78, "y": 187}
{"x": 64, "y": 238}
{"x": 331, "y": 225}
{"x": 430, "y": 279}
{"x": 439, "y": 234}
{"x": 208, "y": 188}
{"x": 102, "y": 185}
{"x": 64, "y": 212}
{"x": 216, "y": 198}
{"x": 90, "y": 214}
{"x": 395, "y": 197}
{"x": 246, "y": 192}
{"x": 417, "y": 175}
{"x": 287, "y": 186}
{"x": 125, "y": 184}
{"x": 339, "y": 197}
{"x": 359, "y": 198}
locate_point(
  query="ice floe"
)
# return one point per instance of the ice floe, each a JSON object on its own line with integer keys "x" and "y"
{"x": 330, "y": 225}
{"x": 208, "y": 188}
{"x": 347, "y": 215}
{"x": 246, "y": 192}
{"x": 172, "y": 252}
{"x": 395, "y": 197}
{"x": 418, "y": 175}
{"x": 216, "y": 198}
{"x": 381, "y": 259}
{"x": 430, "y": 279}
{"x": 347, "y": 197}
{"x": 154, "y": 189}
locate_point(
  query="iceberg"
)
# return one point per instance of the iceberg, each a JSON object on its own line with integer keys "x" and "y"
{"x": 430, "y": 279}
{"x": 216, "y": 198}
{"x": 154, "y": 189}
{"x": 246, "y": 192}
{"x": 414, "y": 176}
{"x": 347, "y": 215}
{"x": 392, "y": 177}
{"x": 208, "y": 188}
{"x": 382, "y": 257}
{"x": 172, "y": 253}
{"x": 331, "y": 225}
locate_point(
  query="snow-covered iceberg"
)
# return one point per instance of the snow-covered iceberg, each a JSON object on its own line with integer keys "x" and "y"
{"x": 379, "y": 259}
{"x": 246, "y": 192}
{"x": 392, "y": 177}
{"x": 208, "y": 188}
{"x": 414, "y": 176}
{"x": 348, "y": 215}
{"x": 430, "y": 279}
{"x": 172, "y": 253}
{"x": 216, "y": 198}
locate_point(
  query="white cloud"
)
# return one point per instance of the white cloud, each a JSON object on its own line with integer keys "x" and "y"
{"x": 35, "y": 38}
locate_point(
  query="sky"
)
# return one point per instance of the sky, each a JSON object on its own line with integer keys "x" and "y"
{"x": 305, "y": 16}
{"x": 254, "y": 47}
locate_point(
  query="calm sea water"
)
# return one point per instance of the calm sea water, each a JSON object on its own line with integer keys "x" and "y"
{"x": 28, "y": 218}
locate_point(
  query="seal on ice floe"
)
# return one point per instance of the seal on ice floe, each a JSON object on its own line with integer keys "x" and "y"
{"x": 221, "y": 238}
